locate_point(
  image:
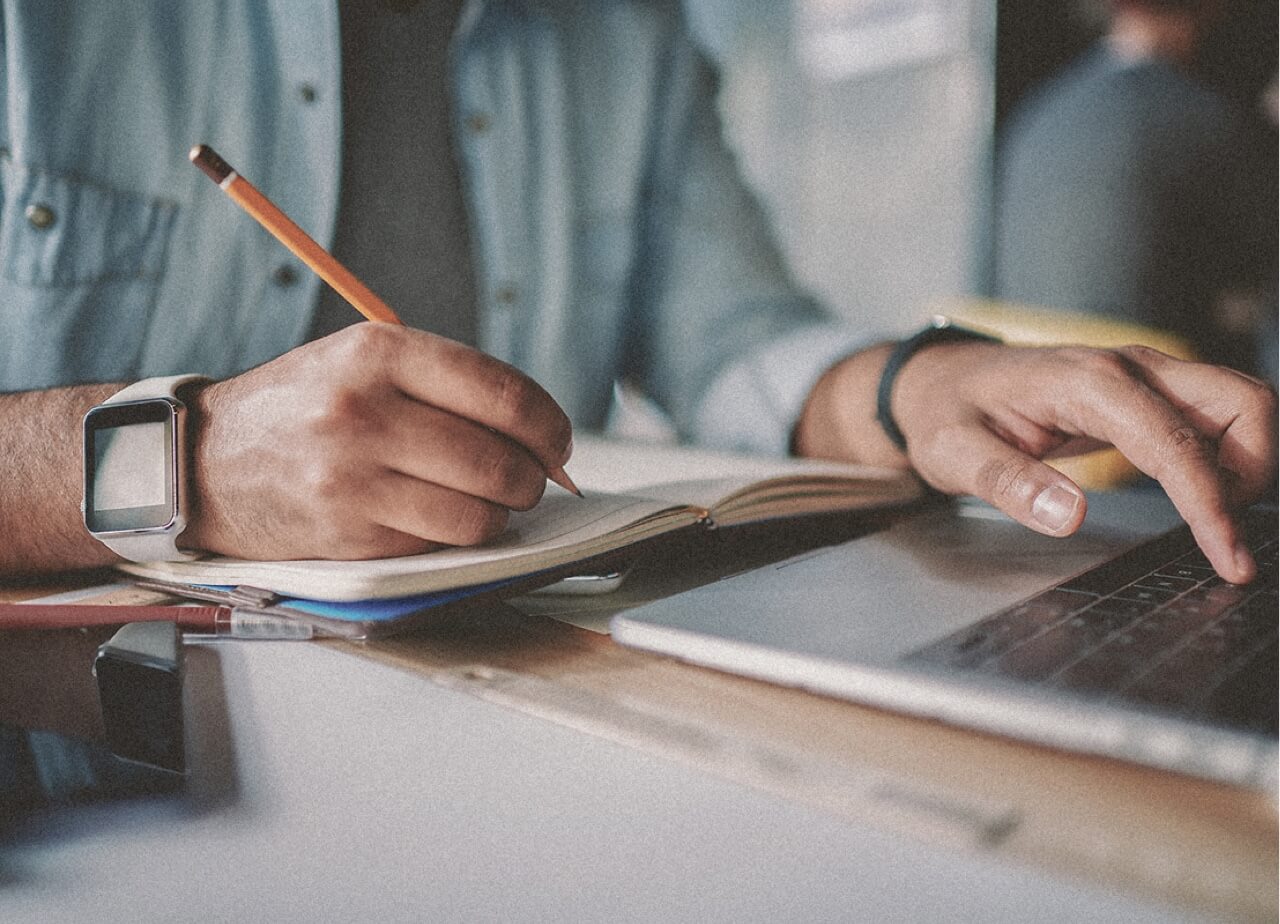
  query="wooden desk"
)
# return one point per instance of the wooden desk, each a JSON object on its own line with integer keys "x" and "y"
{"x": 1205, "y": 848}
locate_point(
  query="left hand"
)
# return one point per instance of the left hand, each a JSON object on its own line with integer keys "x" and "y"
{"x": 979, "y": 418}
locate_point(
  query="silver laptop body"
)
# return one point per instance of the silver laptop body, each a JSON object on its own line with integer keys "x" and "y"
{"x": 841, "y": 621}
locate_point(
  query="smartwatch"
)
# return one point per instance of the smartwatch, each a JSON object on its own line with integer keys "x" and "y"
{"x": 135, "y": 470}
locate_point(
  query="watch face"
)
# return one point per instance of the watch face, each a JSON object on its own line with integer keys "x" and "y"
{"x": 130, "y": 478}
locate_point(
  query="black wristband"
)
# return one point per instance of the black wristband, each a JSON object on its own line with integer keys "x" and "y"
{"x": 942, "y": 332}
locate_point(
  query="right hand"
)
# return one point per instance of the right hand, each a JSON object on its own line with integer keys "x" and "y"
{"x": 376, "y": 441}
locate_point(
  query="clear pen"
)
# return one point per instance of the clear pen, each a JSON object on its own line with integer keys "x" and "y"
{"x": 234, "y": 622}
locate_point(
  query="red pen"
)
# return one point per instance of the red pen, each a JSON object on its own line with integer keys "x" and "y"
{"x": 224, "y": 621}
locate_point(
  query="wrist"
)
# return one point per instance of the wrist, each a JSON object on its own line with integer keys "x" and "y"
{"x": 925, "y": 380}
{"x": 201, "y": 532}
{"x": 905, "y": 354}
{"x": 838, "y": 420}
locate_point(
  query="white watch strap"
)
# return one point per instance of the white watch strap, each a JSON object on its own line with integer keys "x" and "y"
{"x": 162, "y": 387}
{"x": 148, "y": 547}
{"x": 159, "y": 546}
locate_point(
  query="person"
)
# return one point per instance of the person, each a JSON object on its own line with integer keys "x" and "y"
{"x": 571, "y": 207}
{"x": 1128, "y": 187}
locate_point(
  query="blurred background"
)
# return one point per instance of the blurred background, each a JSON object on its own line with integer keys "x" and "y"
{"x": 873, "y": 131}
{"x": 866, "y": 127}
{"x": 896, "y": 147}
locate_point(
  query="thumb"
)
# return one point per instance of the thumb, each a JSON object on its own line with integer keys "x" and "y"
{"x": 973, "y": 460}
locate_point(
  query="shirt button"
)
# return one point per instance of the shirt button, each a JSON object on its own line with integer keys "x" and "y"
{"x": 477, "y": 123}
{"x": 506, "y": 295}
{"x": 284, "y": 275}
{"x": 40, "y": 216}
{"x": 308, "y": 92}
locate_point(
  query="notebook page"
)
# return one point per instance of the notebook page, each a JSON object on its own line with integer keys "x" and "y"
{"x": 702, "y": 477}
{"x": 560, "y": 529}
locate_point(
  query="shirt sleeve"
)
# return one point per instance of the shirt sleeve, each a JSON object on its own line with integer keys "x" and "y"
{"x": 719, "y": 334}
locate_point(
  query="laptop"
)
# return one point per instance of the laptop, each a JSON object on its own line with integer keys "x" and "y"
{"x": 1119, "y": 641}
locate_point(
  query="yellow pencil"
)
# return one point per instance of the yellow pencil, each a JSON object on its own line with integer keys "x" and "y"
{"x": 304, "y": 247}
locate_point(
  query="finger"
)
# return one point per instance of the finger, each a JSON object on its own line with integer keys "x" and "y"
{"x": 473, "y": 385}
{"x": 1115, "y": 404}
{"x": 376, "y": 541}
{"x": 1237, "y": 410}
{"x": 432, "y": 445}
{"x": 431, "y": 512}
{"x": 971, "y": 459}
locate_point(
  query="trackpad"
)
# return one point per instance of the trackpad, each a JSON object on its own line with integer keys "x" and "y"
{"x": 873, "y": 599}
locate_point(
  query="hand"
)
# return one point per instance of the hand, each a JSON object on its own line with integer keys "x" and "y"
{"x": 376, "y": 441}
{"x": 978, "y": 418}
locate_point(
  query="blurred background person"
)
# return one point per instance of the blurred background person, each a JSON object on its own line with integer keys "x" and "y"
{"x": 1133, "y": 184}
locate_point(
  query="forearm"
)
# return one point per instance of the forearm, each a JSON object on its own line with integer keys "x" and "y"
{"x": 41, "y": 527}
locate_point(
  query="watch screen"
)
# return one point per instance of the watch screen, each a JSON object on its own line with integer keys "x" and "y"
{"x": 129, "y": 473}
{"x": 129, "y": 466}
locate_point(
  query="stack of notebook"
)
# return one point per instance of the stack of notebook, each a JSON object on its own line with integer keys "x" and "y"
{"x": 635, "y": 494}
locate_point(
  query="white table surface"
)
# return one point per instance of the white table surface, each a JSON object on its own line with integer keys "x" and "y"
{"x": 361, "y": 792}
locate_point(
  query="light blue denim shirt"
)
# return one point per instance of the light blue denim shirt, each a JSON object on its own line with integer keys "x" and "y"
{"x": 612, "y": 235}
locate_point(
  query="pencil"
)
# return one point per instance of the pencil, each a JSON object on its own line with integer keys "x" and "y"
{"x": 305, "y": 248}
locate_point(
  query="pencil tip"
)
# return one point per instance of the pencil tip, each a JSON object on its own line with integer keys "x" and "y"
{"x": 561, "y": 477}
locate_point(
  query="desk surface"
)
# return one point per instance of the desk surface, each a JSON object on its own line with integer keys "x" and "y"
{"x": 523, "y": 769}
{"x": 362, "y": 792}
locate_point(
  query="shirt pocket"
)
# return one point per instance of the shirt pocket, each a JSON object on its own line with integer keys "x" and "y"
{"x": 60, "y": 231}
{"x": 80, "y": 266}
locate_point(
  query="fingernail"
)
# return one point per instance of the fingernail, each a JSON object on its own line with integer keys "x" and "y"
{"x": 1244, "y": 559}
{"x": 1054, "y": 507}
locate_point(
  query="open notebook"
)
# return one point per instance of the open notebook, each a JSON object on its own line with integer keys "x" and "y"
{"x": 634, "y": 492}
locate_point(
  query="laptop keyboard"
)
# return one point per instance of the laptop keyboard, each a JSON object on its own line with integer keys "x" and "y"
{"x": 1155, "y": 626}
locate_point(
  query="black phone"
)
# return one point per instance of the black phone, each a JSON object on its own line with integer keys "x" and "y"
{"x": 85, "y": 721}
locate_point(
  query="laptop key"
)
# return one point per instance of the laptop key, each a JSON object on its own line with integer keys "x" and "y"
{"x": 1142, "y": 594}
{"x": 1196, "y": 559}
{"x": 1214, "y": 645}
{"x": 1166, "y": 582}
{"x": 1137, "y": 562}
{"x": 993, "y": 636}
{"x": 966, "y": 650}
{"x": 1236, "y": 701}
{"x": 1262, "y": 606}
{"x": 1118, "y": 607}
{"x": 1062, "y": 600}
{"x": 1093, "y": 626}
{"x": 1189, "y": 572}
{"x": 1037, "y": 659}
{"x": 1160, "y": 632}
{"x": 1167, "y": 685}
{"x": 1201, "y": 607}
{"x": 1104, "y": 669}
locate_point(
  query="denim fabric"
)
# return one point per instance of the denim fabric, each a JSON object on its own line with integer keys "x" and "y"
{"x": 612, "y": 235}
